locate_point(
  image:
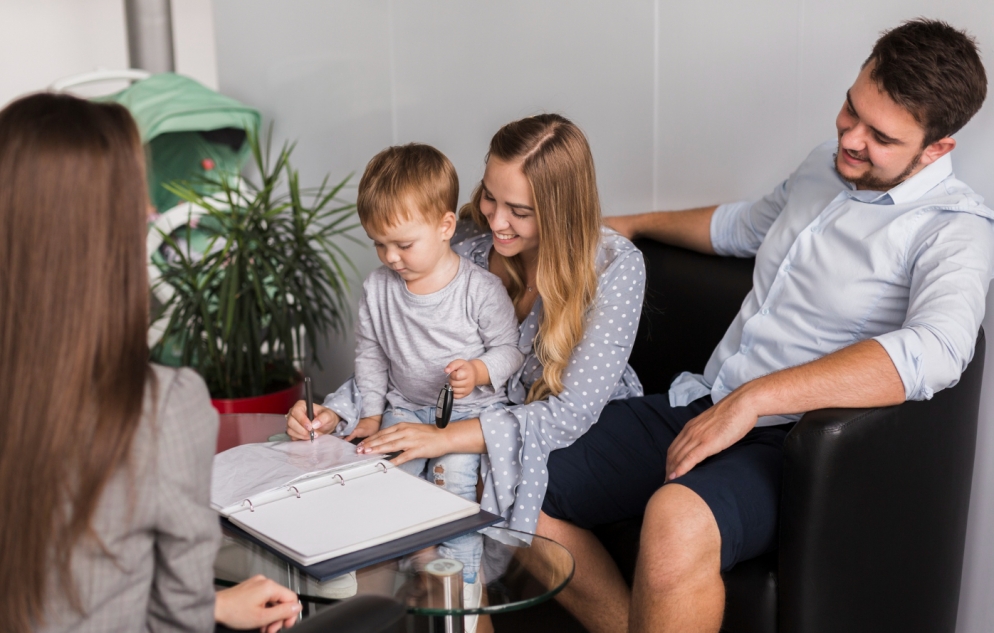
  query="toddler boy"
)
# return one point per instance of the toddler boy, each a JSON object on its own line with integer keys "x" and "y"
{"x": 428, "y": 316}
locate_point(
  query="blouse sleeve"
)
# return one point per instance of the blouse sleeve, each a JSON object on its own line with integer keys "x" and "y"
{"x": 187, "y": 532}
{"x": 519, "y": 438}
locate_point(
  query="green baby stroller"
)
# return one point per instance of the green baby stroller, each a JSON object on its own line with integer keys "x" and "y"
{"x": 189, "y": 131}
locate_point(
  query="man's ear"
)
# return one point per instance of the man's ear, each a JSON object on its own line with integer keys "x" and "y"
{"x": 447, "y": 226}
{"x": 937, "y": 150}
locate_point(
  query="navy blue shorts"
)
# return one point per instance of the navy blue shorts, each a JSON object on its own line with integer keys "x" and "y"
{"x": 610, "y": 473}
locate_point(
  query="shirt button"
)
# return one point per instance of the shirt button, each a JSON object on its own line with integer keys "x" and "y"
{"x": 786, "y": 268}
{"x": 765, "y": 311}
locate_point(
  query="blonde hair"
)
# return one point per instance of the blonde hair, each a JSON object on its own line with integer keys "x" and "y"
{"x": 556, "y": 160}
{"x": 405, "y": 179}
{"x": 73, "y": 333}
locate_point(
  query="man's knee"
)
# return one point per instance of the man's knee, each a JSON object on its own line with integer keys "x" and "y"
{"x": 680, "y": 540}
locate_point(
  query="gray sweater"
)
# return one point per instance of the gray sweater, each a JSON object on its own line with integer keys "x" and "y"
{"x": 404, "y": 340}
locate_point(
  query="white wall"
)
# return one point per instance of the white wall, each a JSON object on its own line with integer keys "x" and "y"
{"x": 683, "y": 103}
{"x": 45, "y": 40}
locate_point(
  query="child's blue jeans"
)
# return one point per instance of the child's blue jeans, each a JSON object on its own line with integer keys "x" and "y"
{"x": 456, "y": 472}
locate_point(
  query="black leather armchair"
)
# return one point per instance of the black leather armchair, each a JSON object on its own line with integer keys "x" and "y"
{"x": 874, "y": 503}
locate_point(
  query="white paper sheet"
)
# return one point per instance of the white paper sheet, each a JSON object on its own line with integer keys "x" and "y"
{"x": 250, "y": 470}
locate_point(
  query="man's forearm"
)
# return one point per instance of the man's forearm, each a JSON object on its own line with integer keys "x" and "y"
{"x": 689, "y": 229}
{"x": 861, "y": 375}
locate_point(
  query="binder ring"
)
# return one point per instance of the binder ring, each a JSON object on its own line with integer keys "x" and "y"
{"x": 251, "y": 507}
{"x": 383, "y": 466}
{"x": 294, "y": 488}
{"x": 340, "y": 479}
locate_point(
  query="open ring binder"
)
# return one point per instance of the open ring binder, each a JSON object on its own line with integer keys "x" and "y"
{"x": 266, "y": 490}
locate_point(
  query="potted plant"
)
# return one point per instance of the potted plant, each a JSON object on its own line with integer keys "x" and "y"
{"x": 270, "y": 281}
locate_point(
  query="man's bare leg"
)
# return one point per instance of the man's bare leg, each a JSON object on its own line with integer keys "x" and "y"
{"x": 597, "y": 595}
{"x": 678, "y": 584}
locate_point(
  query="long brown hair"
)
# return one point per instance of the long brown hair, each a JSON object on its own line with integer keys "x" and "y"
{"x": 556, "y": 160}
{"x": 73, "y": 328}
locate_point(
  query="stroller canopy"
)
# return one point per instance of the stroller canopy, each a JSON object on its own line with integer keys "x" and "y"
{"x": 188, "y": 130}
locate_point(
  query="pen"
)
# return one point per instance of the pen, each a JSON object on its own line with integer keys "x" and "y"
{"x": 309, "y": 396}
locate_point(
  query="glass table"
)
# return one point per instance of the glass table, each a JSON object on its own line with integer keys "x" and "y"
{"x": 517, "y": 571}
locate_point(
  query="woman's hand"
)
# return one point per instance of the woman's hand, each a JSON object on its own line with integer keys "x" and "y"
{"x": 257, "y": 603}
{"x": 298, "y": 427}
{"x": 365, "y": 427}
{"x": 414, "y": 439}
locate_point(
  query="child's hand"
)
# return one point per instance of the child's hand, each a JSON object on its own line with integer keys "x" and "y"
{"x": 464, "y": 375}
{"x": 365, "y": 427}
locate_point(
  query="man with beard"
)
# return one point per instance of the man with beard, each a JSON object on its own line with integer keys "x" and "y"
{"x": 872, "y": 267}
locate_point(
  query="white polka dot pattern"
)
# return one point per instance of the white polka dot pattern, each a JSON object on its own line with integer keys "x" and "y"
{"x": 520, "y": 438}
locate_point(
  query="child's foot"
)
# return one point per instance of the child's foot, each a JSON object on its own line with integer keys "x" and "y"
{"x": 472, "y": 596}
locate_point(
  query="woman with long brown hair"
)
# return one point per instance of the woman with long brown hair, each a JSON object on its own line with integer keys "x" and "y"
{"x": 104, "y": 459}
{"x": 577, "y": 290}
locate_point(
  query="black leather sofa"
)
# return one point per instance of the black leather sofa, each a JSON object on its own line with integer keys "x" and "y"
{"x": 874, "y": 503}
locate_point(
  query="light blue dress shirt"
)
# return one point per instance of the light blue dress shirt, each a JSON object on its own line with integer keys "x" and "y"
{"x": 909, "y": 268}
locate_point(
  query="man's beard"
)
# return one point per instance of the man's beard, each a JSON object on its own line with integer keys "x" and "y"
{"x": 873, "y": 183}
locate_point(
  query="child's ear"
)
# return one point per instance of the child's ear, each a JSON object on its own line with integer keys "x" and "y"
{"x": 447, "y": 226}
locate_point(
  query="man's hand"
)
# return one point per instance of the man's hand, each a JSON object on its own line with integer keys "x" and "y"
{"x": 710, "y": 433}
{"x": 861, "y": 375}
{"x": 365, "y": 427}
{"x": 298, "y": 427}
{"x": 465, "y": 375}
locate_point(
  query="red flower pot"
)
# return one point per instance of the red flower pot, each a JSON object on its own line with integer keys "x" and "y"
{"x": 276, "y": 402}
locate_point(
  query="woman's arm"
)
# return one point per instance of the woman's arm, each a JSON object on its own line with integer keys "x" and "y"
{"x": 426, "y": 440}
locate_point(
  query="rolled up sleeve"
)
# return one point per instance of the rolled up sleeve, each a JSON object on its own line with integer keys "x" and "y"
{"x": 951, "y": 262}
{"x": 738, "y": 228}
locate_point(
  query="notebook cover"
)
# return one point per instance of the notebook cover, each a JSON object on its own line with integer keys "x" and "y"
{"x": 339, "y": 565}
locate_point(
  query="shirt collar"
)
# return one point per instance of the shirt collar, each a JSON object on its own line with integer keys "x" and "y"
{"x": 924, "y": 181}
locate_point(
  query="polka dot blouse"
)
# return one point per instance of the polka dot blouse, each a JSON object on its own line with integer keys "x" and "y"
{"x": 520, "y": 437}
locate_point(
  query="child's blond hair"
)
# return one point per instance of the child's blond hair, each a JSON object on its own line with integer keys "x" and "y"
{"x": 404, "y": 180}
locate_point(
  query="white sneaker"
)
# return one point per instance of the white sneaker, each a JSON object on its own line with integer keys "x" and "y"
{"x": 472, "y": 595}
{"x": 337, "y": 588}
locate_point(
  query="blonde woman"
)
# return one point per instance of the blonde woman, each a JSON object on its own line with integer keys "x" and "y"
{"x": 105, "y": 460}
{"x": 577, "y": 291}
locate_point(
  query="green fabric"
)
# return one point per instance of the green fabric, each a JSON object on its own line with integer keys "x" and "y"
{"x": 180, "y": 156}
{"x": 171, "y": 111}
{"x": 172, "y": 103}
